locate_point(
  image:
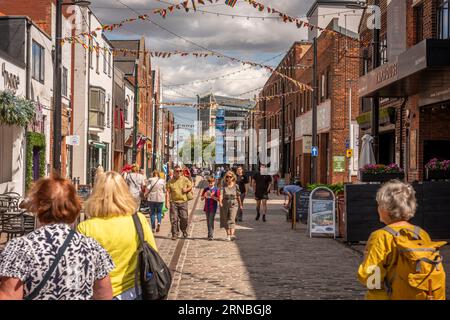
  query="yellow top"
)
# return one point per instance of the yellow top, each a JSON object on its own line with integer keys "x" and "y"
{"x": 380, "y": 250}
{"x": 118, "y": 236}
{"x": 175, "y": 188}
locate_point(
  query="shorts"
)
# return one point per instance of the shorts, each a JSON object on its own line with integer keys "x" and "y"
{"x": 264, "y": 196}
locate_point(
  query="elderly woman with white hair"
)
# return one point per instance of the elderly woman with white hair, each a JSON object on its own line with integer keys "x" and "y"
{"x": 393, "y": 250}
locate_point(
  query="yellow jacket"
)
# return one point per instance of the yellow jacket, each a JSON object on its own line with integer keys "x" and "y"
{"x": 118, "y": 236}
{"x": 381, "y": 252}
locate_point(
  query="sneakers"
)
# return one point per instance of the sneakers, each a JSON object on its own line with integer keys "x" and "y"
{"x": 257, "y": 216}
{"x": 158, "y": 227}
{"x": 185, "y": 234}
{"x": 228, "y": 238}
{"x": 264, "y": 218}
{"x": 210, "y": 238}
{"x": 174, "y": 237}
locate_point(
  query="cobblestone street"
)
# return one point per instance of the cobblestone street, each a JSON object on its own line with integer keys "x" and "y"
{"x": 268, "y": 261}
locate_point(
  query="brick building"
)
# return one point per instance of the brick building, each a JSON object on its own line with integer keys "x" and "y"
{"x": 337, "y": 72}
{"x": 143, "y": 81}
{"x": 412, "y": 83}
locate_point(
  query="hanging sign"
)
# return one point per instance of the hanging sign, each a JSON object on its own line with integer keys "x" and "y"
{"x": 73, "y": 140}
{"x": 322, "y": 212}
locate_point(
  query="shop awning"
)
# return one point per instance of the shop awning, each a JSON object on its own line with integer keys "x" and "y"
{"x": 424, "y": 69}
{"x": 98, "y": 145}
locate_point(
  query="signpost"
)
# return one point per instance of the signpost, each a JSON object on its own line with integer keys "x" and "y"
{"x": 322, "y": 209}
{"x": 314, "y": 151}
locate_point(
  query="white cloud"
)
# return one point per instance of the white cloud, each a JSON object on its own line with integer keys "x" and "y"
{"x": 252, "y": 39}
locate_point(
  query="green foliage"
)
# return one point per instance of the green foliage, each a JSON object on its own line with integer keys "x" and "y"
{"x": 34, "y": 140}
{"x": 191, "y": 149}
{"x": 336, "y": 188}
{"x": 14, "y": 110}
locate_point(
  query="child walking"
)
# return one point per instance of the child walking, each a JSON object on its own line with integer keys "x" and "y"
{"x": 211, "y": 196}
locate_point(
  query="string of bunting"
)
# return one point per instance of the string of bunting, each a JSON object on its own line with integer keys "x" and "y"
{"x": 115, "y": 51}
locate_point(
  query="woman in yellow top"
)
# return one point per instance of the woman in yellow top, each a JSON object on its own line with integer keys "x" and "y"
{"x": 110, "y": 209}
{"x": 396, "y": 206}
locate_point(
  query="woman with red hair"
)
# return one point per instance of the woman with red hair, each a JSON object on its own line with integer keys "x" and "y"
{"x": 54, "y": 262}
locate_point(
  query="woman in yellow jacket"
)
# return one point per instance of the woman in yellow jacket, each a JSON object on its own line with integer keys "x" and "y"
{"x": 110, "y": 209}
{"x": 396, "y": 206}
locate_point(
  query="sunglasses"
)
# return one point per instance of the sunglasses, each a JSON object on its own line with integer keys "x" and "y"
{"x": 179, "y": 171}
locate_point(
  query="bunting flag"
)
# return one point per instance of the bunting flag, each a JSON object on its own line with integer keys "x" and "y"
{"x": 231, "y": 3}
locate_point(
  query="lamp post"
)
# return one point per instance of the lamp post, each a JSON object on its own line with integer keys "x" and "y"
{"x": 57, "y": 71}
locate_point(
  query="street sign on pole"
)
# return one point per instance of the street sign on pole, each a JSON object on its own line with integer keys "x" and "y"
{"x": 349, "y": 153}
{"x": 314, "y": 151}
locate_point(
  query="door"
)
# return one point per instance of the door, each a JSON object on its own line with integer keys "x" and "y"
{"x": 36, "y": 163}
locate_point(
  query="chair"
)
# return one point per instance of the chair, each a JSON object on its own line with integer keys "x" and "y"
{"x": 16, "y": 224}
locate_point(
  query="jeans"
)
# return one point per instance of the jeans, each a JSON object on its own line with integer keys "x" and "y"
{"x": 155, "y": 210}
{"x": 210, "y": 215}
{"x": 130, "y": 294}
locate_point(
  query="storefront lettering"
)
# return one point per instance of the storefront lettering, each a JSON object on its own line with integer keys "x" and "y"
{"x": 11, "y": 80}
{"x": 387, "y": 72}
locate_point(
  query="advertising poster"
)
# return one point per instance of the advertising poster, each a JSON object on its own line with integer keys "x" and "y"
{"x": 322, "y": 212}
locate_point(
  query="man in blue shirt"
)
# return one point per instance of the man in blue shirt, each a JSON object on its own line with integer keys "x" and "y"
{"x": 289, "y": 191}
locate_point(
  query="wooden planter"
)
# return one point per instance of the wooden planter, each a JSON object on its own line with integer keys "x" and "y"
{"x": 438, "y": 174}
{"x": 381, "y": 177}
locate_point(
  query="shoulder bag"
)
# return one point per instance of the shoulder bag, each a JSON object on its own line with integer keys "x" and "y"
{"x": 52, "y": 268}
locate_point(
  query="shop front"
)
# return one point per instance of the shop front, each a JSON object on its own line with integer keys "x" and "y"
{"x": 415, "y": 117}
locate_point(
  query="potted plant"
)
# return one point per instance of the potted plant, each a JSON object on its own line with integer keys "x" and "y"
{"x": 381, "y": 172}
{"x": 437, "y": 170}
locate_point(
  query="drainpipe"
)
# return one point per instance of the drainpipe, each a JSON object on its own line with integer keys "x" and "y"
{"x": 88, "y": 158}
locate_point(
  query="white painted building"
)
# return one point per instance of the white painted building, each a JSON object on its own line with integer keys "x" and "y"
{"x": 12, "y": 142}
{"x": 323, "y": 11}
{"x": 92, "y": 101}
{"x": 129, "y": 116}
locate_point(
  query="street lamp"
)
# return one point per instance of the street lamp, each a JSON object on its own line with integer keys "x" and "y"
{"x": 57, "y": 71}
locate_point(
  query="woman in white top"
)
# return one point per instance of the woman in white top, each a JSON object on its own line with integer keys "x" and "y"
{"x": 156, "y": 191}
{"x": 135, "y": 182}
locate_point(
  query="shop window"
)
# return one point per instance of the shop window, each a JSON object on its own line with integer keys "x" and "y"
{"x": 443, "y": 19}
{"x": 38, "y": 62}
{"x": 418, "y": 22}
{"x": 97, "y": 108}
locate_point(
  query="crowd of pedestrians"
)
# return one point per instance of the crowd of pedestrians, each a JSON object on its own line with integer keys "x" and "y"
{"x": 99, "y": 260}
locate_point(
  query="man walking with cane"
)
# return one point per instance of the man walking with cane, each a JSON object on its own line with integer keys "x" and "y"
{"x": 177, "y": 201}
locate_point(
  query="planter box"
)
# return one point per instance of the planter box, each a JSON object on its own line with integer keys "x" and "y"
{"x": 381, "y": 177}
{"x": 438, "y": 174}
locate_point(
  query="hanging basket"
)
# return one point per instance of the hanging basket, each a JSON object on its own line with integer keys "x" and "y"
{"x": 15, "y": 111}
{"x": 437, "y": 175}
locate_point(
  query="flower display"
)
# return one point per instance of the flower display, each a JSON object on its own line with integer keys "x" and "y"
{"x": 381, "y": 168}
{"x": 436, "y": 165}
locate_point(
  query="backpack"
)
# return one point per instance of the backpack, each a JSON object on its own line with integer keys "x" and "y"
{"x": 419, "y": 273}
{"x": 151, "y": 272}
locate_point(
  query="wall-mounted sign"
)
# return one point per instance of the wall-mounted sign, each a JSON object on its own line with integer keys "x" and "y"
{"x": 338, "y": 164}
{"x": 322, "y": 212}
{"x": 73, "y": 140}
{"x": 11, "y": 81}
{"x": 307, "y": 144}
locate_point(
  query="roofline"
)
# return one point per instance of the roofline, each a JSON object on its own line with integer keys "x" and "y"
{"x": 29, "y": 20}
{"x": 316, "y": 4}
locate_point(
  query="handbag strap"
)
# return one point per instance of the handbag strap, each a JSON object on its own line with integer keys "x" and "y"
{"x": 58, "y": 257}
{"x": 149, "y": 191}
{"x": 140, "y": 232}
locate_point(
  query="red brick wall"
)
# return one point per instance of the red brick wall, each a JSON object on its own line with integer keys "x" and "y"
{"x": 38, "y": 10}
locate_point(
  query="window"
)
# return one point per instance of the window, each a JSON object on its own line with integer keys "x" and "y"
{"x": 108, "y": 113}
{"x": 328, "y": 93}
{"x": 418, "y": 22}
{"x": 125, "y": 111}
{"x": 109, "y": 64}
{"x": 383, "y": 50}
{"x": 91, "y": 57}
{"x": 38, "y": 62}
{"x": 443, "y": 19}
{"x": 97, "y": 108}
{"x": 323, "y": 88}
{"x": 98, "y": 62}
{"x": 64, "y": 84}
{"x": 105, "y": 62}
